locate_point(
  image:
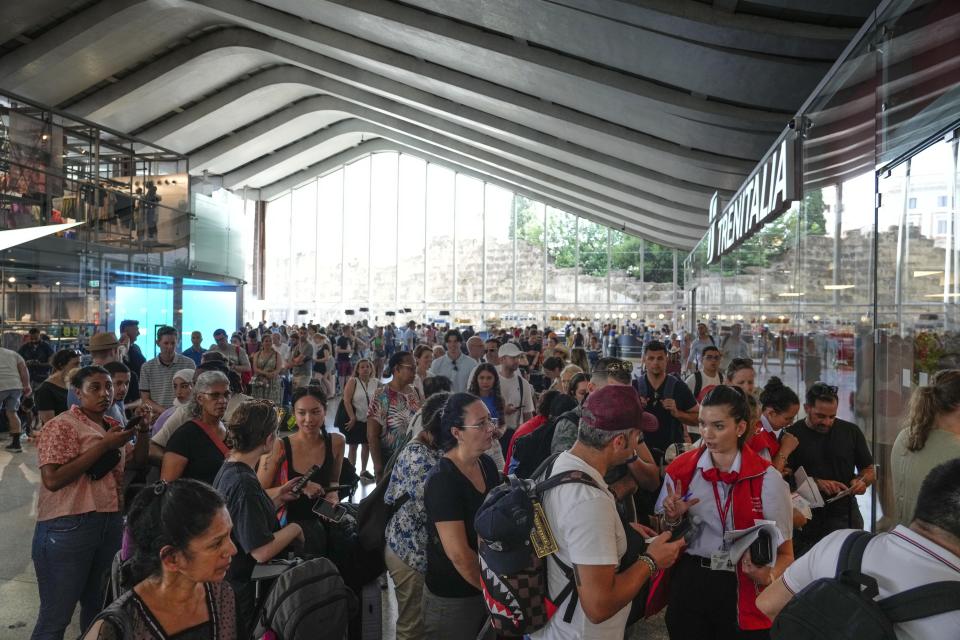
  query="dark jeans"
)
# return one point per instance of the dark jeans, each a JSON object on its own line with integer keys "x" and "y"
{"x": 703, "y": 604}
{"x": 72, "y": 557}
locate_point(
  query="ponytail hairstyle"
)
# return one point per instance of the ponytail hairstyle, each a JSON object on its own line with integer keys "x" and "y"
{"x": 167, "y": 516}
{"x": 735, "y": 399}
{"x": 431, "y": 415}
{"x": 251, "y": 425}
{"x": 941, "y": 396}
{"x": 778, "y": 396}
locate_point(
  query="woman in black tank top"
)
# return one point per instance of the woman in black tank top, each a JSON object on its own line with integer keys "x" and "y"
{"x": 293, "y": 456}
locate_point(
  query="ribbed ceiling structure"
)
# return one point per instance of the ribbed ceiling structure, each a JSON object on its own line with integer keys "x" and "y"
{"x": 628, "y": 112}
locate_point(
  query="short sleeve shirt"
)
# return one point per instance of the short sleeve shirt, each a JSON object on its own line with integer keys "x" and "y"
{"x": 50, "y": 397}
{"x": 9, "y": 370}
{"x": 61, "y": 440}
{"x": 510, "y": 388}
{"x": 156, "y": 378}
{"x": 834, "y": 455}
{"x": 671, "y": 430}
{"x": 588, "y": 531}
{"x": 204, "y": 458}
{"x": 407, "y": 529}
{"x": 450, "y": 497}
{"x": 393, "y": 411}
{"x": 305, "y": 368}
{"x": 899, "y": 560}
{"x": 253, "y": 514}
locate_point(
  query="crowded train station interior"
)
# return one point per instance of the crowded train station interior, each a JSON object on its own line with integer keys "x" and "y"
{"x": 459, "y": 320}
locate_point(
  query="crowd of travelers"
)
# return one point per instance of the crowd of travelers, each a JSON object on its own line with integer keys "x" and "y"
{"x": 518, "y": 482}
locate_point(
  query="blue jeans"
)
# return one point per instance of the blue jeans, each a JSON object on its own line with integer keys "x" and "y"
{"x": 72, "y": 557}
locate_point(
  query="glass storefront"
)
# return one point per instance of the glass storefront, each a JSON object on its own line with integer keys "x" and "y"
{"x": 142, "y": 248}
{"x": 391, "y": 232}
{"x": 857, "y": 284}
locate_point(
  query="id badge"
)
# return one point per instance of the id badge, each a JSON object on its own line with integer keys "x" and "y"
{"x": 720, "y": 561}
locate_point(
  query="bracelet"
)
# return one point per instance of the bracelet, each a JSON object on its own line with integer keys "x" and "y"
{"x": 650, "y": 562}
{"x": 671, "y": 525}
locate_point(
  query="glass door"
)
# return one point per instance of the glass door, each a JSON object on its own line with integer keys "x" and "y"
{"x": 918, "y": 306}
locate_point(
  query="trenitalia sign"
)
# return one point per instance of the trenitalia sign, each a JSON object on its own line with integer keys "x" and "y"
{"x": 768, "y": 192}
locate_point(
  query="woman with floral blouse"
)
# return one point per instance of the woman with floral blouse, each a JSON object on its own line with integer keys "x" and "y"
{"x": 406, "y": 550}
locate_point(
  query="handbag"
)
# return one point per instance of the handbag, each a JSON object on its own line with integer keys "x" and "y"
{"x": 341, "y": 419}
{"x": 104, "y": 464}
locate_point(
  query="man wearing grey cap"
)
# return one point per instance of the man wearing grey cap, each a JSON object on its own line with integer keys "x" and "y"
{"x": 589, "y": 533}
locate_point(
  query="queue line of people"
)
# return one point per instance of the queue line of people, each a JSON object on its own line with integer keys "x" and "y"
{"x": 446, "y": 469}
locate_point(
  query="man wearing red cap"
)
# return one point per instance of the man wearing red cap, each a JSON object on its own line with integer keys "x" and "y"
{"x": 588, "y": 530}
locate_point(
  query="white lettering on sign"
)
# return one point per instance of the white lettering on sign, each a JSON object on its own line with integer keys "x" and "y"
{"x": 768, "y": 192}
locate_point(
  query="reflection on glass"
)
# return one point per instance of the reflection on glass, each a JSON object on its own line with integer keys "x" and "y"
{"x": 356, "y": 233}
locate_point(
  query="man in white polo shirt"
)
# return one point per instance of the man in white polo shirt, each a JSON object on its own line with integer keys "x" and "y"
{"x": 156, "y": 376}
{"x": 925, "y": 552}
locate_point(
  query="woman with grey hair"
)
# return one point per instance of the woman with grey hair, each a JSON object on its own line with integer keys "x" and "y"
{"x": 197, "y": 450}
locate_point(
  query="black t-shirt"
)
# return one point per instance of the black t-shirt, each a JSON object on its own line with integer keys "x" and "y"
{"x": 50, "y": 397}
{"x": 450, "y": 496}
{"x": 204, "y": 458}
{"x": 671, "y": 430}
{"x": 253, "y": 514}
{"x": 834, "y": 455}
{"x": 343, "y": 342}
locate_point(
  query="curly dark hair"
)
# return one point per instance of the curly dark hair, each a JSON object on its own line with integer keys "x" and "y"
{"x": 497, "y": 395}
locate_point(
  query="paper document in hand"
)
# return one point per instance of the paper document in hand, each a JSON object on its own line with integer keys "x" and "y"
{"x": 739, "y": 540}
{"x": 807, "y": 488}
{"x": 843, "y": 494}
{"x": 802, "y": 505}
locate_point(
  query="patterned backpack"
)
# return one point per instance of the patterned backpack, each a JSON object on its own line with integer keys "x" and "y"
{"x": 515, "y": 544}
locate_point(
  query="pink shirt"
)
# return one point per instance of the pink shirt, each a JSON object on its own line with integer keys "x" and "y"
{"x": 61, "y": 440}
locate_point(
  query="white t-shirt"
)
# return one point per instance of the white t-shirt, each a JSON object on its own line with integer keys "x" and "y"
{"x": 588, "y": 531}
{"x": 9, "y": 371}
{"x": 899, "y": 560}
{"x": 691, "y": 381}
{"x": 510, "y": 390}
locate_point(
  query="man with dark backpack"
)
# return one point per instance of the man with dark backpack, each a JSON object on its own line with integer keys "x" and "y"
{"x": 902, "y": 584}
{"x": 568, "y": 528}
{"x": 667, "y": 398}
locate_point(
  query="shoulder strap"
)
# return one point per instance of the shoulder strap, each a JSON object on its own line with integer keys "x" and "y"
{"x": 567, "y": 477}
{"x": 922, "y": 602}
{"x": 849, "y": 564}
{"x": 117, "y": 616}
{"x": 698, "y": 386}
{"x": 671, "y": 384}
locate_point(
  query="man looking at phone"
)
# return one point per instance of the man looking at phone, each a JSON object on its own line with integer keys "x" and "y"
{"x": 835, "y": 454}
{"x": 516, "y": 391}
{"x": 590, "y": 536}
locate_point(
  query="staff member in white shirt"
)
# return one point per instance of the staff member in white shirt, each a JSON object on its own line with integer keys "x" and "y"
{"x": 925, "y": 552}
{"x": 779, "y": 405}
{"x": 725, "y": 486}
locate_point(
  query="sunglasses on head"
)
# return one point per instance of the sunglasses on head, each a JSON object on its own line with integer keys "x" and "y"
{"x": 822, "y": 390}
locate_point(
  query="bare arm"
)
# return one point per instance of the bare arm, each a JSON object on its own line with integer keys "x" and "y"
{"x": 643, "y": 473}
{"x": 46, "y": 415}
{"x": 453, "y": 537}
{"x": 773, "y": 599}
{"x": 57, "y": 476}
{"x": 281, "y": 540}
{"x": 603, "y": 592}
{"x": 339, "y": 444}
{"x": 348, "y": 391}
{"x": 269, "y": 465}
{"x": 173, "y": 466}
{"x": 24, "y": 377}
{"x": 145, "y": 396}
{"x": 374, "y": 430}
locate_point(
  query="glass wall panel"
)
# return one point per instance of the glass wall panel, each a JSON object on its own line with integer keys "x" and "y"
{"x": 383, "y": 230}
{"x": 469, "y": 239}
{"x": 330, "y": 237}
{"x": 356, "y": 233}
{"x": 561, "y": 255}
{"x": 304, "y": 246}
{"x": 658, "y": 280}
{"x": 626, "y": 268}
{"x": 593, "y": 255}
{"x": 439, "y": 253}
{"x": 498, "y": 245}
{"x": 531, "y": 254}
{"x": 277, "y": 246}
{"x": 411, "y": 229}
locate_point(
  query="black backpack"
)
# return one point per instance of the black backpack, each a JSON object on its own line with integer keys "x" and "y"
{"x": 308, "y": 600}
{"x": 698, "y": 378}
{"x": 845, "y": 607}
{"x": 533, "y": 449}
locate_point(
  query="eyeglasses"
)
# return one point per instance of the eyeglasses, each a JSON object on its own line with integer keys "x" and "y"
{"x": 490, "y": 424}
{"x": 217, "y": 396}
{"x": 711, "y": 357}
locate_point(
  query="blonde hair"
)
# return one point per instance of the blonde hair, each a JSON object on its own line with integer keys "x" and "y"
{"x": 567, "y": 375}
{"x": 942, "y": 396}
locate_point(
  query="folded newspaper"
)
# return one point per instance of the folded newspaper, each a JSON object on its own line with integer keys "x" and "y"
{"x": 739, "y": 540}
{"x": 807, "y": 496}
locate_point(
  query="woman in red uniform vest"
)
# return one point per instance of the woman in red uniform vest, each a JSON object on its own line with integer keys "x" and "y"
{"x": 722, "y": 487}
